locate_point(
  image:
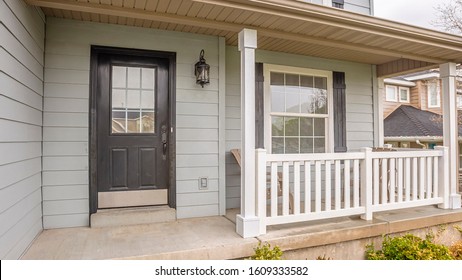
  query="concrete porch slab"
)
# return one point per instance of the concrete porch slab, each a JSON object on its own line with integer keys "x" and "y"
{"x": 199, "y": 238}
{"x": 216, "y": 238}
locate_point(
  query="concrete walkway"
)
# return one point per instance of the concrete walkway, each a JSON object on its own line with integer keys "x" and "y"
{"x": 216, "y": 238}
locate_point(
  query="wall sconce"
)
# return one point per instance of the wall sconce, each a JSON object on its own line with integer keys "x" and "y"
{"x": 202, "y": 71}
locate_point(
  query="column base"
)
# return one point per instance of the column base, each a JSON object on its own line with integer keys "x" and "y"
{"x": 248, "y": 227}
{"x": 455, "y": 201}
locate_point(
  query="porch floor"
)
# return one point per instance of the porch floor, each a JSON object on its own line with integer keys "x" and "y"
{"x": 215, "y": 237}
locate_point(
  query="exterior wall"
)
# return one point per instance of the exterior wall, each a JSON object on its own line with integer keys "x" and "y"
{"x": 359, "y": 105}
{"x": 65, "y": 162}
{"x": 22, "y": 33}
{"x": 359, "y": 6}
{"x": 418, "y": 99}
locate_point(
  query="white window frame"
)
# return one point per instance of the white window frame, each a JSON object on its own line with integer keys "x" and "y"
{"x": 438, "y": 94}
{"x": 396, "y": 93}
{"x": 459, "y": 103}
{"x": 408, "y": 90}
{"x": 267, "y": 69}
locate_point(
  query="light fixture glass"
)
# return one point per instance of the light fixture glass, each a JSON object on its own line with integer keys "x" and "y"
{"x": 202, "y": 71}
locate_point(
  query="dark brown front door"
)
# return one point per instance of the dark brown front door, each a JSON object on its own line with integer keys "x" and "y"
{"x": 132, "y": 104}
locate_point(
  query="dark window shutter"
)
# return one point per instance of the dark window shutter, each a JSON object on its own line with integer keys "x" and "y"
{"x": 259, "y": 105}
{"x": 339, "y": 112}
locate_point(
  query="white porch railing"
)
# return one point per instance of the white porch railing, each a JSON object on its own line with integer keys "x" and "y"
{"x": 306, "y": 187}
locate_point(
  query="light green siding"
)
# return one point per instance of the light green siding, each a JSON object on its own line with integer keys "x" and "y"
{"x": 22, "y": 33}
{"x": 66, "y": 103}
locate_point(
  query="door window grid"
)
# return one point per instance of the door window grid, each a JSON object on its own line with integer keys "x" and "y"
{"x": 133, "y": 99}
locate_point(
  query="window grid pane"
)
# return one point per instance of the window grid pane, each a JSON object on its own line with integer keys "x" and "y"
{"x": 298, "y": 94}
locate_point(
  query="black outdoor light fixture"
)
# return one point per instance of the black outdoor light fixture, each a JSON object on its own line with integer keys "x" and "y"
{"x": 202, "y": 71}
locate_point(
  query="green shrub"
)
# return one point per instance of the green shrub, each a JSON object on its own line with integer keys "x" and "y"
{"x": 408, "y": 247}
{"x": 264, "y": 252}
{"x": 456, "y": 250}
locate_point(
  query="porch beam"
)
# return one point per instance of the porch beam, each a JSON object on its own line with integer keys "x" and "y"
{"x": 450, "y": 129}
{"x": 104, "y": 9}
{"x": 402, "y": 66}
{"x": 247, "y": 223}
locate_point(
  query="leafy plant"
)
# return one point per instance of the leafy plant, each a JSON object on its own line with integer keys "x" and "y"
{"x": 408, "y": 247}
{"x": 456, "y": 250}
{"x": 458, "y": 228}
{"x": 265, "y": 252}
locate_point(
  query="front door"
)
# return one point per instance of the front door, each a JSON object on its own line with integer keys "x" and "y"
{"x": 132, "y": 130}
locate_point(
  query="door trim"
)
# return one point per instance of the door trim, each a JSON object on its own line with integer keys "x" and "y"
{"x": 93, "y": 136}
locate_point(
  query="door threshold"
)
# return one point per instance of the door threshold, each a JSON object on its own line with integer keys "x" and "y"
{"x": 132, "y": 216}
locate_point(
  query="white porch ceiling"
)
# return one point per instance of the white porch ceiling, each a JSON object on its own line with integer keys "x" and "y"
{"x": 283, "y": 25}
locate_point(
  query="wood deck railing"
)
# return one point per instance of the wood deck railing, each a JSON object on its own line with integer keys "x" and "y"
{"x": 342, "y": 184}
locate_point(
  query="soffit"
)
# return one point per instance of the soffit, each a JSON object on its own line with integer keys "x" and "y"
{"x": 283, "y": 25}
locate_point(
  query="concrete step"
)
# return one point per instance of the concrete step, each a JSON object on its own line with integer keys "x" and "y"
{"x": 132, "y": 216}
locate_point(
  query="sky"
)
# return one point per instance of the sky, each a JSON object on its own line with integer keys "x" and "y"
{"x": 415, "y": 12}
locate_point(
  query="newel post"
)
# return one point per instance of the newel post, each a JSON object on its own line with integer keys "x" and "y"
{"x": 260, "y": 166}
{"x": 366, "y": 183}
{"x": 443, "y": 177}
{"x": 451, "y": 129}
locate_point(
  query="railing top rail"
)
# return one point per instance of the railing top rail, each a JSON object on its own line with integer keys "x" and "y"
{"x": 314, "y": 157}
{"x": 408, "y": 154}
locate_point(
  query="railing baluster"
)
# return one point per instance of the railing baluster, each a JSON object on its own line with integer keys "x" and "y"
{"x": 392, "y": 180}
{"x": 384, "y": 181}
{"x": 356, "y": 183}
{"x": 285, "y": 188}
{"x": 435, "y": 177}
{"x": 296, "y": 196}
{"x": 346, "y": 173}
{"x": 318, "y": 201}
{"x": 407, "y": 178}
{"x": 274, "y": 189}
{"x": 307, "y": 186}
{"x": 429, "y": 177}
{"x": 328, "y": 186}
{"x": 400, "y": 180}
{"x": 422, "y": 178}
{"x": 376, "y": 176}
{"x": 414, "y": 179}
{"x": 337, "y": 185}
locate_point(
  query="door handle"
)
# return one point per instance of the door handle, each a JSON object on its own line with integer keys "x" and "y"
{"x": 164, "y": 141}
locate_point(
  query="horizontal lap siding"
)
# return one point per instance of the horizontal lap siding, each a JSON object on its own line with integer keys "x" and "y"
{"x": 359, "y": 106}
{"x": 359, "y": 6}
{"x": 65, "y": 119}
{"x": 22, "y": 31}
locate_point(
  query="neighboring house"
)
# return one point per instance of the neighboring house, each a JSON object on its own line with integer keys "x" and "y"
{"x": 413, "y": 110}
{"x": 84, "y": 83}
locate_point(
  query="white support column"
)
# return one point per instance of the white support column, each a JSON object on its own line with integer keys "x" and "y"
{"x": 378, "y": 109}
{"x": 450, "y": 128}
{"x": 247, "y": 223}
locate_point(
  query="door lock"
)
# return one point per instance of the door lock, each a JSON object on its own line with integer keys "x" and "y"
{"x": 164, "y": 141}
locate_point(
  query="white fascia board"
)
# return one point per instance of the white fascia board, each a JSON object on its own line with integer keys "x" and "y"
{"x": 424, "y": 77}
{"x": 399, "y": 83}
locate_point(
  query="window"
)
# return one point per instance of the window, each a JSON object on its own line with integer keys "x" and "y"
{"x": 338, "y": 4}
{"x": 297, "y": 110}
{"x": 433, "y": 90}
{"x": 393, "y": 93}
{"x": 133, "y": 99}
{"x": 459, "y": 103}
{"x": 404, "y": 94}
